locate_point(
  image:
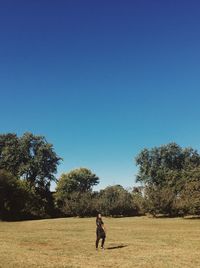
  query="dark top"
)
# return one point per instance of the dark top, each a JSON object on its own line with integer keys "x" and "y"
{"x": 99, "y": 223}
{"x": 100, "y": 230}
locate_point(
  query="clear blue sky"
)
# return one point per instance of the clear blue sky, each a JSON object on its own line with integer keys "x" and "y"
{"x": 101, "y": 79}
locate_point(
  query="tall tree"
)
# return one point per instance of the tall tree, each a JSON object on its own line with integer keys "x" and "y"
{"x": 169, "y": 173}
{"x": 11, "y": 196}
{"x": 74, "y": 192}
{"x": 10, "y": 154}
{"x": 30, "y": 157}
{"x": 155, "y": 163}
{"x": 32, "y": 163}
{"x": 78, "y": 180}
{"x": 189, "y": 197}
{"x": 115, "y": 201}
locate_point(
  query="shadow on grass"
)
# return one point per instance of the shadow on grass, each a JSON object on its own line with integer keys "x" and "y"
{"x": 117, "y": 247}
{"x": 192, "y": 218}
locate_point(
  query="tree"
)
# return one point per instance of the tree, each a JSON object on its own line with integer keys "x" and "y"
{"x": 18, "y": 200}
{"x": 74, "y": 192}
{"x": 160, "y": 200}
{"x": 188, "y": 201}
{"x": 78, "y": 180}
{"x": 11, "y": 196}
{"x": 166, "y": 172}
{"x": 80, "y": 204}
{"x": 116, "y": 201}
{"x": 154, "y": 163}
{"x": 10, "y": 154}
{"x": 29, "y": 157}
{"x": 32, "y": 163}
{"x": 138, "y": 199}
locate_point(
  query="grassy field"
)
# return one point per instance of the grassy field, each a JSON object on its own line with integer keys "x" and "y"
{"x": 131, "y": 242}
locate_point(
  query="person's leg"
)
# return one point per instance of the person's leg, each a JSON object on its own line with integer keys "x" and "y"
{"x": 103, "y": 241}
{"x": 97, "y": 242}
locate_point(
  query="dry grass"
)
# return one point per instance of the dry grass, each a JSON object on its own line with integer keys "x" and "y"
{"x": 133, "y": 242}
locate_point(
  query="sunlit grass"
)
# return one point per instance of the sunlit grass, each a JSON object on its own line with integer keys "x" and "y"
{"x": 131, "y": 242}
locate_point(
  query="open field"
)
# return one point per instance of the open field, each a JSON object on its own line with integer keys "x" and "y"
{"x": 131, "y": 242}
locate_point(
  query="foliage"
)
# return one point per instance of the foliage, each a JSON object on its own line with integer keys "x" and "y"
{"x": 116, "y": 201}
{"x": 155, "y": 163}
{"x": 11, "y": 196}
{"x": 78, "y": 180}
{"x": 29, "y": 163}
{"x": 79, "y": 204}
{"x": 160, "y": 200}
{"x": 138, "y": 199}
{"x": 74, "y": 194}
{"x": 20, "y": 200}
{"x": 189, "y": 198}
{"x": 170, "y": 175}
{"x": 29, "y": 157}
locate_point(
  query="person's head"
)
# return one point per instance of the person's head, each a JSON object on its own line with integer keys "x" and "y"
{"x": 99, "y": 216}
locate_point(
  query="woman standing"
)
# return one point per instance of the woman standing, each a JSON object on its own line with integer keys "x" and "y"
{"x": 101, "y": 233}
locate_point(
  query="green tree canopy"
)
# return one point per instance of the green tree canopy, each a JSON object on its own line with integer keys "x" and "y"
{"x": 189, "y": 198}
{"x": 74, "y": 195}
{"x": 171, "y": 178}
{"x": 155, "y": 163}
{"x": 11, "y": 196}
{"x": 30, "y": 157}
{"x": 115, "y": 201}
{"x": 78, "y": 180}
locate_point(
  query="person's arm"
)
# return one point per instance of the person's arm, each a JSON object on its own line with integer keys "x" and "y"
{"x": 103, "y": 227}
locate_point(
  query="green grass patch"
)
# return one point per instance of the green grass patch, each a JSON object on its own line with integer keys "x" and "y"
{"x": 131, "y": 242}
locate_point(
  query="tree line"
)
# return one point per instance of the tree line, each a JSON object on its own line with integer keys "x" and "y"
{"x": 169, "y": 178}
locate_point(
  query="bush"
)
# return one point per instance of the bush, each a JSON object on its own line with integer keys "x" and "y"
{"x": 116, "y": 201}
{"x": 12, "y": 196}
{"x": 79, "y": 204}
